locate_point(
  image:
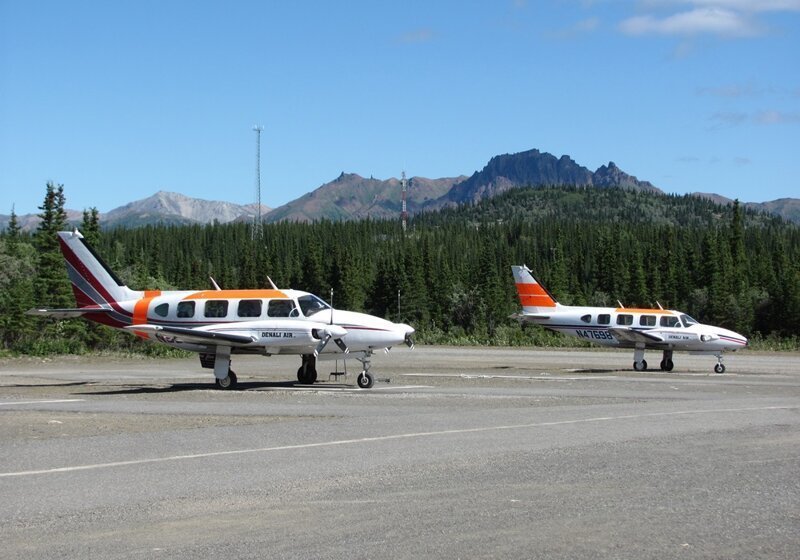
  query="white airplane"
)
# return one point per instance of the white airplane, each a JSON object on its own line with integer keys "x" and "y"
{"x": 218, "y": 323}
{"x": 640, "y": 329}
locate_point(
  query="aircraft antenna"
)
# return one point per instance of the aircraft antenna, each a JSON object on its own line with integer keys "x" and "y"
{"x": 404, "y": 211}
{"x": 257, "y": 222}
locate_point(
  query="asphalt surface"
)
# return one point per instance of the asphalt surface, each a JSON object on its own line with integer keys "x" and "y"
{"x": 455, "y": 453}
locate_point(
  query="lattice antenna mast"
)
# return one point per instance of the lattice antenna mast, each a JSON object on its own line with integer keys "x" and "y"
{"x": 404, "y": 211}
{"x": 258, "y": 224}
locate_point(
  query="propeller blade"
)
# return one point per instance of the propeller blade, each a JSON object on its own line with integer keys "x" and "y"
{"x": 410, "y": 342}
{"x": 342, "y": 346}
{"x": 322, "y": 344}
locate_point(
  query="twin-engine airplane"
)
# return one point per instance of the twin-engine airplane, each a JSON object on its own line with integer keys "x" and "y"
{"x": 640, "y": 329}
{"x": 219, "y": 323}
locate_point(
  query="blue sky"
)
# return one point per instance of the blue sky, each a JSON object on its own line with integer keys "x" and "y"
{"x": 117, "y": 100}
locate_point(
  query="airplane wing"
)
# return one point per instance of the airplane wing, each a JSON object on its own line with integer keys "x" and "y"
{"x": 183, "y": 334}
{"x": 67, "y": 313}
{"x": 634, "y": 336}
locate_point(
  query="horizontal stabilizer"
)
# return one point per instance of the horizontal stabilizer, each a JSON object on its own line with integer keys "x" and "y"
{"x": 528, "y": 317}
{"x": 631, "y": 335}
{"x": 67, "y": 313}
{"x": 183, "y": 334}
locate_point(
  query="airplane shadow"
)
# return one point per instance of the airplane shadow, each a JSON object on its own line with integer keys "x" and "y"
{"x": 181, "y": 387}
{"x": 38, "y": 385}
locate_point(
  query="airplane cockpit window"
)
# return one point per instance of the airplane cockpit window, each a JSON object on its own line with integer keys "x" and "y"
{"x": 311, "y": 304}
{"x": 280, "y": 308}
{"x": 647, "y": 320}
{"x": 216, "y": 308}
{"x": 185, "y": 309}
{"x": 604, "y": 319}
{"x": 249, "y": 308}
{"x": 586, "y": 318}
{"x": 669, "y": 321}
{"x": 688, "y": 321}
{"x": 624, "y": 319}
{"x": 161, "y": 309}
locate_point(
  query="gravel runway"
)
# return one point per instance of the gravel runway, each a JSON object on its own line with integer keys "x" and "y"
{"x": 455, "y": 453}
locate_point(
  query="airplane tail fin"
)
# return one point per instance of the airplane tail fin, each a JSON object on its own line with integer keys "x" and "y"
{"x": 534, "y": 298}
{"x": 93, "y": 282}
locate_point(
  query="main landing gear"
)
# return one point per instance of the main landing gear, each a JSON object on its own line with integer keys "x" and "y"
{"x": 640, "y": 364}
{"x": 307, "y": 372}
{"x": 220, "y": 362}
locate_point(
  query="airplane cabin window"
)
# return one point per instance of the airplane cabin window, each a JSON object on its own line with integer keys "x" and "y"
{"x": 249, "y": 308}
{"x": 161, "y": 309}
{"x": 586, "y": 318}
{"x": 604, "y": 319}
{"x": 216, "y": 308}
{"x": 280, "y": 308}
{"x": 669, "y": 321}
{"x": 647, "y": 320}
{"x": 185, "y": 309}
{"x": 624, "y": 319}
{"x": 688, "y": 321}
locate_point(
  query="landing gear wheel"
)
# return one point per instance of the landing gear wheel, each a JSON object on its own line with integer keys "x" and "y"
{"x": 640, "y": 366}
{"x": 667, "y": 365}
{"x": 719, "y": 368}
{"x": 365, "y": 380}
{"x": 306, "y": 376}
{"x": 228, "y": 382}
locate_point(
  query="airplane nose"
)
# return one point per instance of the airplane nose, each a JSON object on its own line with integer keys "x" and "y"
{"x": 407, "y": 332}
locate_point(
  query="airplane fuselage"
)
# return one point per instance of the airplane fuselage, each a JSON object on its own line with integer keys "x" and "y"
{"x": 669, "y": 329}
{"x": 268, "y": 317}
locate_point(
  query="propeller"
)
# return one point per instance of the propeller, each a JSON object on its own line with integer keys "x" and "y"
{"x": 409, "y": 341}
{"x": 325, "y": 336}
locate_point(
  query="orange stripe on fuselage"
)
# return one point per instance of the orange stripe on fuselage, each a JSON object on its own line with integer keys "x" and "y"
{"x": 648, "y": 311}
{"x": 140, "y": 310}
{"x": 237, "y": 294}
{"x": 533, "y": 295}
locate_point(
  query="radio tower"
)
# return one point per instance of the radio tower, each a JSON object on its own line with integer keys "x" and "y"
{"x": 257, "y": 225}
{"x": 403, "y": 212}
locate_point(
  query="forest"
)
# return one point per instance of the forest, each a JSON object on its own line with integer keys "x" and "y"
{"x": 448, "y": 274}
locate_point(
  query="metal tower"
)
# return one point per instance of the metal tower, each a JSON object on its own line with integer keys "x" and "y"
{"x": 258, "y": 224}
{"x": 404, "y": 212}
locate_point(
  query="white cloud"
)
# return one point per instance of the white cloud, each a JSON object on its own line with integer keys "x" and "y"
{"x": 712, "y": 20}
{"x": 750, "y": 5}
{"x": 766, "y": 118}
{"x": 777, "y": 117}
{"x": 724, "y": 18}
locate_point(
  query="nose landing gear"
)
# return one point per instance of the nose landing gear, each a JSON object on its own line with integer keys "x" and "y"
{"x": 720, "y": 367}
{"x": 365, "y": 379}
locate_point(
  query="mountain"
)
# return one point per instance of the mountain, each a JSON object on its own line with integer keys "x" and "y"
{"x": 535, "y": 168}
{"x": 353, "y": 197}
{"x": 786, "y": 208}
{"x": 161, "y": 208}
{"x": 175, "y": 208}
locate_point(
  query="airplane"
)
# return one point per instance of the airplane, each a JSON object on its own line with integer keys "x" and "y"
{"x": 622, "y": 327}
{"x": 219, "y": 323}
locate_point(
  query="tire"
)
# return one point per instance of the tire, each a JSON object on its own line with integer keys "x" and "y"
{"x": 640, "y": 366}
{"x": 365, "y": 380}
{"x": 719, "y": 368}
{"x": 228, "y": 382}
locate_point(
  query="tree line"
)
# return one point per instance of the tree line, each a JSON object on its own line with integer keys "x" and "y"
{"x": 449, "y": 274}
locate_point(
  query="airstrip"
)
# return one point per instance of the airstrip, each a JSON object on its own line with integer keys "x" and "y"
{"x": 455, "y": 453}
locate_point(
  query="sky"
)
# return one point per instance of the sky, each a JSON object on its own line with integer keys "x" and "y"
{"x": 118, "y": 100}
